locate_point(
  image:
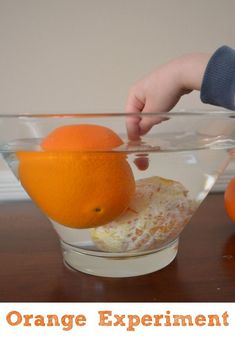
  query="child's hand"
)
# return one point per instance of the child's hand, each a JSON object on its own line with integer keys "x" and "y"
{"x": 161, "y": 90}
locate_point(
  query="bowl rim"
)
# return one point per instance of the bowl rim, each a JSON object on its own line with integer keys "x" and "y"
{"x": 200, "y": 113}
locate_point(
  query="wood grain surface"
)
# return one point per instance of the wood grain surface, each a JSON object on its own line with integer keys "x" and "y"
{"x": 32, "y": 269}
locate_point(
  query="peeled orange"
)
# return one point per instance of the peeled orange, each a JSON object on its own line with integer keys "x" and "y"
{"x": 76, "y": 179}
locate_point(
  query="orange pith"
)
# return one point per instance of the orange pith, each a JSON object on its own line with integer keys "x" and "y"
{"x": 72, "y": 183}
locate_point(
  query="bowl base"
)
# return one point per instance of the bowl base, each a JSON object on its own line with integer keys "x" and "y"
{"x": 118, "y": 266}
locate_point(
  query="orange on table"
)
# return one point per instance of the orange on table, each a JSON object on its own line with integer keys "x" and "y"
{"x": 229, "y": 199}
{"x": 72, "y": 183}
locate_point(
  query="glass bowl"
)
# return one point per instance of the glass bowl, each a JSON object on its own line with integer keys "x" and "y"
{"x": 142, "y": 192}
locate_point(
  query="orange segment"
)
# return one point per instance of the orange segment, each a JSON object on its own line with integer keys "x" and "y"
{"x": 75, "y": 188}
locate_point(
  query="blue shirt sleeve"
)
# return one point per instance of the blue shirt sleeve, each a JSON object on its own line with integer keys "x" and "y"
{"x": 218, "y": 85}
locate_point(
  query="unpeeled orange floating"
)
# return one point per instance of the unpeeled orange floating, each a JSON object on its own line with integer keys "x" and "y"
{"x": 229, "y": 199}
{"x": 81, "y": 138}
{"x": 77, "y": 180}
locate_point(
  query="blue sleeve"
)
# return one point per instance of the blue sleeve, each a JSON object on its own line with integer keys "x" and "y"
{"x": 218, "y": 85}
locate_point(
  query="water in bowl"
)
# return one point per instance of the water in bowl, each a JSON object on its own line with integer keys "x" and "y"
{"x": 145, "y": 238}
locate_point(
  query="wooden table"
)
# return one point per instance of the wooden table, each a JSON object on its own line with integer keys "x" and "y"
{"x": 31, "y": 267}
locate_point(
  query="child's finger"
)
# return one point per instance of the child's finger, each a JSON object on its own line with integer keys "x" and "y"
{"x": 142, "y": 163}
{"x": 133, "y": 127}
{"x": 147, "y": 122}
{"x": 134, "y": 103}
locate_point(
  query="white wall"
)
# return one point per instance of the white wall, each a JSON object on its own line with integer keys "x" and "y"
{"x": 82, "y": 55}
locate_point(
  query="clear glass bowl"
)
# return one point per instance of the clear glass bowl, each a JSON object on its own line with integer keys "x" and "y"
{"x": 183, "y": 157}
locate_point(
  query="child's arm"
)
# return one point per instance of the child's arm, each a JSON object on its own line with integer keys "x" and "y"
{"x": 161, "y": 90}
{"x": 218, "y": 86}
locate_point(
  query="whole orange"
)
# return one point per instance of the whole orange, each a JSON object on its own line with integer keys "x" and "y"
{"x": 229, "y": 199}
{"x": 81, "y": 138}
{"x": 76, "y": 179}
